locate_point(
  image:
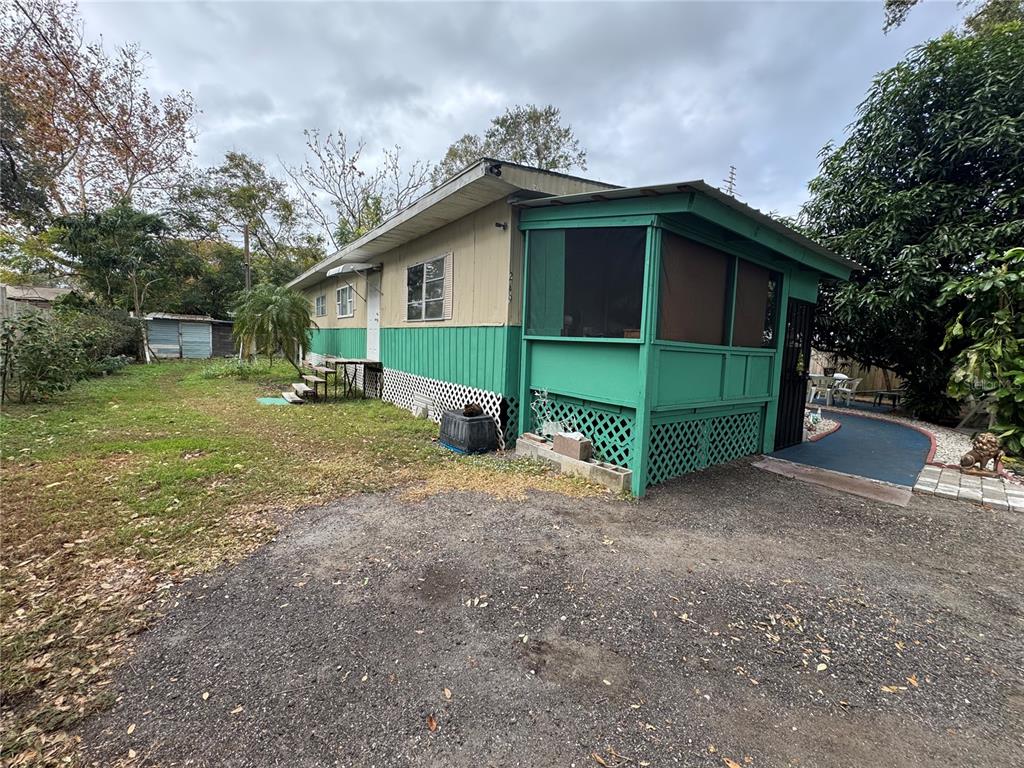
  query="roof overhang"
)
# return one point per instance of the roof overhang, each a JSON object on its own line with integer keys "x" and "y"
{"x": 840, "y": 266}
{"x": 482, "y": 183}
{"x": 344, "y": 269}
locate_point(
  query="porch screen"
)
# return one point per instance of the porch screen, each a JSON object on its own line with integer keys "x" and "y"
{"x": 757, "y": 297}
{"x": 694, "y": 286}
{"x": 586, "y": 282}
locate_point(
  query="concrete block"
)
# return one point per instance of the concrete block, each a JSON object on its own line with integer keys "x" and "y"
{"x": 951, "y": 491}
{"x": 574, "y": 445}
{"x": 609, "y": 475}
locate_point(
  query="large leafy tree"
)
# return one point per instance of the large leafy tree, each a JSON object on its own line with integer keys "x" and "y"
{"x": 525, "y": 134}
{"x": 83, "y": 119}
{"x": 240, "y": 200}
{"x": 930, "y": 176}
{"x": 123, "y": 257}
{"x": 984, "y": 15}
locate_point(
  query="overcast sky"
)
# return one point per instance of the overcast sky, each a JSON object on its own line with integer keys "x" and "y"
{"x": 656, "y": 92}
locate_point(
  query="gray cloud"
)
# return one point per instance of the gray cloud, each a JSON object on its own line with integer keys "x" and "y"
{"x": 657, "y": 92}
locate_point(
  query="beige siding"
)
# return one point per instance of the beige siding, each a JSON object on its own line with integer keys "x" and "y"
{"x": 480, "y": 257}
{"x": 329, "y": 287}
{"x": 515, "y": 304}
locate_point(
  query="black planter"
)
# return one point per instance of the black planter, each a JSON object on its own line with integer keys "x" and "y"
{"x": 468, "y": 434}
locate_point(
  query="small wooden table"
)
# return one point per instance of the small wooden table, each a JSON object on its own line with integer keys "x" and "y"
{"x": 349, "y": 379}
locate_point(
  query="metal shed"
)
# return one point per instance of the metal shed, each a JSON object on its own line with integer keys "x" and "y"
{"x": 194, "y": 337}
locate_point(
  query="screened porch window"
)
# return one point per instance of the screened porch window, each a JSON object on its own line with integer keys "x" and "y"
{"x": 757, "y": 300}
{"x": 701, "y": 285}
{"x": 694, "y": 285}
{"x": 586, "y": 282}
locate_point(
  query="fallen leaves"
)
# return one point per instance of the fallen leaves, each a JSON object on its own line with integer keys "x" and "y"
{"x": 447, "y": 694}
{"x": 431, "y": 723}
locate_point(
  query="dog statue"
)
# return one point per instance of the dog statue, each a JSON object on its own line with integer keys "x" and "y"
{"x": 985, "y": 448}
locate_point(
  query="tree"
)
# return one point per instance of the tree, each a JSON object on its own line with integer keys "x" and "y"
{"x": 525, "y": 134}
{"x": 992, "y": 324}
{"x": 240, "y": 201}
{"x": 120, "y": 254}
{"x": 360, "y": 197}
{"x": 272, "y": 319}
{"x": 86, "y": 124}
{"x": 930, "y": 175}
{"x": 987, "y": 14}
{"x": 22, "y": 179}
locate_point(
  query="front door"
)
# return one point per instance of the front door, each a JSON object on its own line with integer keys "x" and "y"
{"x": 796, "y": 357}
{"x": 373, "y": 315}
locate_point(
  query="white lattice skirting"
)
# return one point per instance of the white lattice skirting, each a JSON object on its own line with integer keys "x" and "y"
{"x": 401, "y": 388}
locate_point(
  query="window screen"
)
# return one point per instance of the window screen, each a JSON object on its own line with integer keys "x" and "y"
{"x": 757, "y": 296}
{"x": 694, "y": 291}
{"x": 321, "y": 305}
{"x": 586, "y": 282}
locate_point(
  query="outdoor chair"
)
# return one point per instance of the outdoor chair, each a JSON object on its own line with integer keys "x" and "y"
{"x": 845, "y": 389}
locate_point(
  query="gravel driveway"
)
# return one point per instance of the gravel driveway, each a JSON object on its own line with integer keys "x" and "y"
{"x": 732, "y": 618}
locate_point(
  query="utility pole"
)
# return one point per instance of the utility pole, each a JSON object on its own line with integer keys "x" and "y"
{"x": 730, "y": 182}
{"x": 248, "y": 257}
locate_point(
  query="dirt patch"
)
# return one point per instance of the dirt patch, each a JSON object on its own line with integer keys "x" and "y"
{"x": 733, "y": 614}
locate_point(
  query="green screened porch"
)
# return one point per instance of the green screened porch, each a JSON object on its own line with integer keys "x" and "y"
{"x": 654, "y": 321}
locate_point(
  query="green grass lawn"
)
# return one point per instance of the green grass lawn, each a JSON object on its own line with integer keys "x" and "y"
{"x": 129, "y": 483}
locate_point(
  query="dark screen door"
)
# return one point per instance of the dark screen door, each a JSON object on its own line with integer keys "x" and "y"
{"x": 796, "y": 357}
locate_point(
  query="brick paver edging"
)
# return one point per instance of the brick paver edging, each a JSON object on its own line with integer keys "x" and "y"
{"x": 996, "y": 492}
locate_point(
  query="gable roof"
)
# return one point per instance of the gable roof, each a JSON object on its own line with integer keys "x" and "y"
{"x": 482, "y": 183}
{"x": 702, "y": 187}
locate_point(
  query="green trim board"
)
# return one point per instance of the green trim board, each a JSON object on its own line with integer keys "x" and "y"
{"x": 480, "y": 356}
{"x": 339, "y": 342}
{"x": 590, "y": 213}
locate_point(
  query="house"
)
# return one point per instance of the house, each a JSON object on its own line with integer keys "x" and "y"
{"x": 188, "y": 336}
{"x": 670, "y": 324}
{"x": 17, "y": 299}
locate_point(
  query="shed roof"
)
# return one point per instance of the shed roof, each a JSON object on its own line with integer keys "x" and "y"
{"x": 186, "y": 318}
{"x": 702, "y": 187}
{"x": 482, "y": 183}
{"x": 35, "y": 292}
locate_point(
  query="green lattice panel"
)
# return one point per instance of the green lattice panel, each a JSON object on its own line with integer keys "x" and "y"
{"x": 610, "y": 432}
{"x": 733, "y": 436}
{"x": 676, "y": 448}
{"x": 686, "y": 445}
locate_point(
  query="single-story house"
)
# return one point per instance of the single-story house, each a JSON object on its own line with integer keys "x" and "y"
{"x": 670, "y": 324}
{"x": 189, "y": 336}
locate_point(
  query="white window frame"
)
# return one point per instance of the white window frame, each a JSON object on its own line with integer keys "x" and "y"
{"x": 320, "y": 305}
{"x": 349, "y": 302}
{"x": 442, "y": 299}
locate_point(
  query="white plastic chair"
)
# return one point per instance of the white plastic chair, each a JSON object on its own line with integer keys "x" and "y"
{"x": 845, "y": 389}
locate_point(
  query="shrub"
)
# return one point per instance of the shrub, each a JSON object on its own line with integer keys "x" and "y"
{"x": 43, "y": 354}
{"x": 991, "y": 366}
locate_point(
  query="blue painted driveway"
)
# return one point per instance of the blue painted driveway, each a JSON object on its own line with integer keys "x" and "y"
{"x": 881, "y": 450}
